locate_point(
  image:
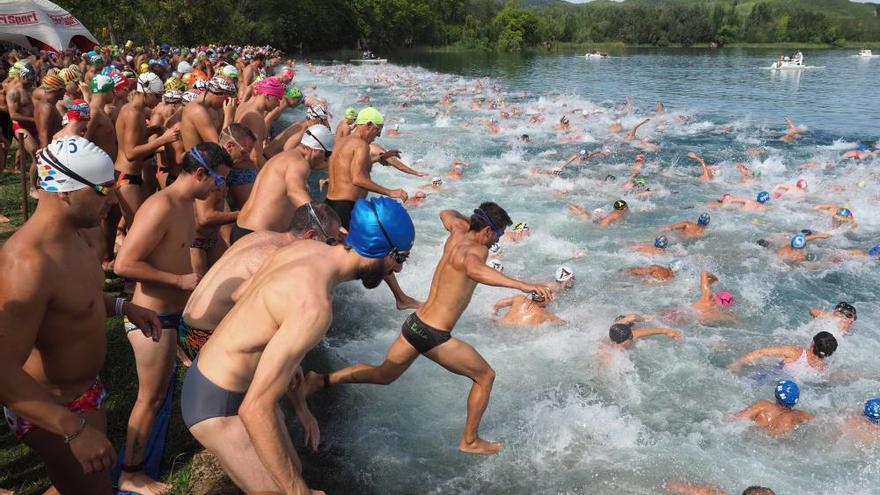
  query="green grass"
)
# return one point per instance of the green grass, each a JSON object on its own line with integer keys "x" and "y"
{"x": 10, "y": 198}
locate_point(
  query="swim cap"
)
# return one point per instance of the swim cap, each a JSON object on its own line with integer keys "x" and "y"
{"x": 495, "y": 265}
{"x": 286, "y": 72}
{"x": 368, "y": 115}
{"x": 564, "y": 274}
{"x": 436, "y": 181}
{"x": 521, "y": 226}
{"x": 724, "y": 299}
{"x": 189, "y": 96}
{"x": 293, "y": 92}
{"x": 640, "y": 181}
{"x": 120, "y": 82}
{"x": 222, "y": 85}
{"x": 801, "y": 184}
{"x": 640, "y": 158}
{"x": 620, "y": 333}
{"x": 610, "y": 178}
{"x": 676, "y": 265}
{"x": 174, "y": 83}
{"x": 724, "y": 197}
{"x": 704, "y": 219}
{"x": 317, "y": 112}
{"x": 799, "y": 241}
{"x": 874, "y": 251}
{"x": 763, "y": 243}
{"x": 144, "y": 68}
{"x": 52, "y": 81}
{"x": 495, "y": 248}
{"x": 661, "y": 242}
{"x": 229, "y": 71}
{"x": 27, "y": 72}
{"x": 807, "y": 232}
{"x": 149, "y": 83}
{"x": 350, "y": 113}
{"x": 844, "y": 212}
{"x": 620, "y": 205}
{"x": 71, "y": 74}
{"x": 184, "y": 67}
{"x": 582, "y": 152}
{"x": 172, "y": 96}
{"x": 380, "y": 226}
{"x": 69, "y": 156}
{"x": 824, "y": 344}
{"x": 78, "y": 110}
{"x": 847, "y": 309}
{"x": 95, "y": 58}
{"x": 862, "y": 147}
{"x": 101, "y": 84}
{"x": 763, "y": 197}
{"x": 787, "y": 393}
{"x": 270, "y": 86}
{"x": 318, "y": 137}
{"x": 872, "y": 410}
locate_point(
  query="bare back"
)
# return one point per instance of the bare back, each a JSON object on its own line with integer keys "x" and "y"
{"x": 131, "y": 131}
{"x": 349, "y": 152}
{"x": 281, "y": 187}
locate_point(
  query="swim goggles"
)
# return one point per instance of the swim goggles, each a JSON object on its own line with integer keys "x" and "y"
{"x": 399, "y": 256}
{"x": 326, "y": 152}
{"x": 488, "y": 221}
{"x": 328, "y": 239}
{"x": 218, "y": 181}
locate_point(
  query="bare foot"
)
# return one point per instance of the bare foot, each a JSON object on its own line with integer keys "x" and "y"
{"x": 311, "y": 384}
{"x": 408, "y": 303}
{"x": 480, "y": 446}
{"x": 139, "y": 482}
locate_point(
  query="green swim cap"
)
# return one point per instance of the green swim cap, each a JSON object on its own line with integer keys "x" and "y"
{"x": 368, "y": 115}
{"x": 351, "y": 113}
{"x": 293, "y": 92}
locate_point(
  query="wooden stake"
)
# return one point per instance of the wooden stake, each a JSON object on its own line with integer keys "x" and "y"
{"x": 25, "y": 208}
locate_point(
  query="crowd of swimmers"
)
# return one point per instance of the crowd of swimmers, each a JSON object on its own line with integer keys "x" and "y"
{"x": 168, "y": 166}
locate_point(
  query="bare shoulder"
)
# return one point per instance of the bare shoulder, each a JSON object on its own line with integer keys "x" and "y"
{"x": 156, "y": 206}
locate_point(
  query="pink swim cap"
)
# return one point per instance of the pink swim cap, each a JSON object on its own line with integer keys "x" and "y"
{"x": 724, "y": 299}
{"x": 801, "y": 184}
{"x": 270, "y": 86}
{"x": 286, "y": 72}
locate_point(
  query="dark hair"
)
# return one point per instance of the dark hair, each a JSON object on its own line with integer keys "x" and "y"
{"x": 620, "y": 333}
{"x": 238, "y": 132}
{"x": 824, "y": 344}
{"x": 212, "y": 153}
{"x": 303, "y": 219}
{"x": 495, "y": 213}
{"x": 758, "y": 490}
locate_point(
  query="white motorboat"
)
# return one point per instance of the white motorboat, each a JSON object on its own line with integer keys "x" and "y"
{"x": 369, "y": 60}
{"x": 864, "y": 52}
{"x": 596, "y": 54}
{"x": 794, "y": 62}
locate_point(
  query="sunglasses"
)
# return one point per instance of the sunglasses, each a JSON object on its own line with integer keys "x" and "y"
{"x": 100, "y": 189}
{"x": 326, "y": 153}
{"x": 328, "y": 239}
{"x": 218, "y": 181}
{"x": 399, "y": 256}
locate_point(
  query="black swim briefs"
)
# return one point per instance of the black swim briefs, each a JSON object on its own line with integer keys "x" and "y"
{"x": 421, "y": 336}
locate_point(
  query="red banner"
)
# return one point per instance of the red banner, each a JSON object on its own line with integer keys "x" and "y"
{"x": 64, "y": 20}
{"x": 19, "y": 19}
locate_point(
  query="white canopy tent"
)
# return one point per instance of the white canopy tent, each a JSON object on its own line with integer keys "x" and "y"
{"x": 43, "y": 25}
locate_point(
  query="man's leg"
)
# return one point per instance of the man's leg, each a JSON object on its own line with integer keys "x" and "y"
{"x": 228, "y": 440}
{"x": 65, "y": 471}
{"x": 130, "y": 199}
{"x": 460, "y": 358}
{"x": 400, "y": 356}
{"x": 154, "y": 360}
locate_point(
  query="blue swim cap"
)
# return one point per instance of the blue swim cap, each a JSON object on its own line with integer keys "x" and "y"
{"x": 799, "y": 242}
{"x": 872, "y": 410}
{"x": 763, "y": 197}
{"x": 704, "y": 219}
{"x": 787, "y": 393}
{"x": 844, "y": 212}
{"x": 874, "y": 251}
{"x": 862, "y": 147}
{"x": 380, "y": 226}
{"x": 661, "y": 242}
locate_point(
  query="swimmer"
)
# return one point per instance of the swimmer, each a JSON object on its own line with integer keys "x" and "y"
{"x": 344, "y": 126}
{"x": 746, "y": 175}
{"x": 631, "y": 135}
{"x": 780, "y": 417}
{"x": 844, "y": 313}
{"x": 745, "y": 204}
{"x": 821, "y": 347}
{"x": 795, "y": 251}
{"x": 714, "y": 309}
{"x": 391, "y": 158}
{"x": 684, "y": 488}
{"x": 621, "y": 210}
{"x": 860, "y": 153}
{"x": 456, "y": 170}
{"x": 792, "y": 133}
{"x": 427, "y": 332}
{"x": 661, "y": 243}
{"x": 581, "y": 156}
{"x": 690, "y": 229}
{"x": 865, "y": 427}
{"x": 637, "y": 166}
{"x": 656, "y": 272}
{"x": 519, "y": 232}
{"x": 840, "y": 215}
{"x": 799, "y": 190}
{"x": 525, "y": 311}
{"x": 707, "y": 174}
{"x": 622, "y": 335}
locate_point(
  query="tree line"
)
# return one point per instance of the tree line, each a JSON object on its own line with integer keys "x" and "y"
{"x": 319, "y": 25}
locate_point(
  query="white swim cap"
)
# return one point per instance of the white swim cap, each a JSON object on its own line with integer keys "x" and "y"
{"x": 436, "y": 181}
{"x": 184, "y": 68}
{"x": 495, "y": 248}
{"x": 496, "y": 265}
{"x": 564, "y": 274}
{"x": 149, "y": 83}
{"x": 676, "y": 265}
{"x": 65, "y": 158}
{"x": 318, "y": 137}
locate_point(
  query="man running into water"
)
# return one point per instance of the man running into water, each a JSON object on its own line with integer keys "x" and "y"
{"x": 52, "y": 321}
{"x": 283, "y": 184}
{"x": 230, "y": 393}
{"x": 690, "y": 229}
{"x": 428, "y": 331}
{"x": 155, "y": 255}
{"x": 822, "y": 347}
{"x": 780, "y": 417}
{"x": 212, "y": 297}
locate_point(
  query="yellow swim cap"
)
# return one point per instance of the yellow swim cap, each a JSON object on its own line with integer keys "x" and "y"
{"x": 144, "y": 68}
{"x": 368, "y": 115}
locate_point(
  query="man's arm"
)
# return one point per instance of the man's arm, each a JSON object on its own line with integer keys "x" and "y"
{"x": 144, "y": 235}
{"x": 640, "y": 333}
{"x": 577, "y": 210}
{"x": 132, "y": 134}
{"x": 302, "y": 329}
{"x": 273, "y": 114}
{"x": 453, "y": 220}
{"x": 502, "y": 304}
{"x": 782, "y": 351}
{"x": 13, "y": 103}
{"x": 476, "y": 270}
{"x": 44, "y": 135}
{"x": 675, "y": 226}
{"x": 207, "y": 214}
{"x": 360, "y": 175}
{"x": 682, "y": 488}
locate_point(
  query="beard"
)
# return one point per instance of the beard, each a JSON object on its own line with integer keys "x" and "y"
{"x": 372, "y": 275}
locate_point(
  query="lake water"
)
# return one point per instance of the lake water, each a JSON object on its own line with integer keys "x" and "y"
{"x": 570, "y": 424}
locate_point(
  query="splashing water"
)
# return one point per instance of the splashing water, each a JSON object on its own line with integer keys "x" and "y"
{"x": 569, "y": 423}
